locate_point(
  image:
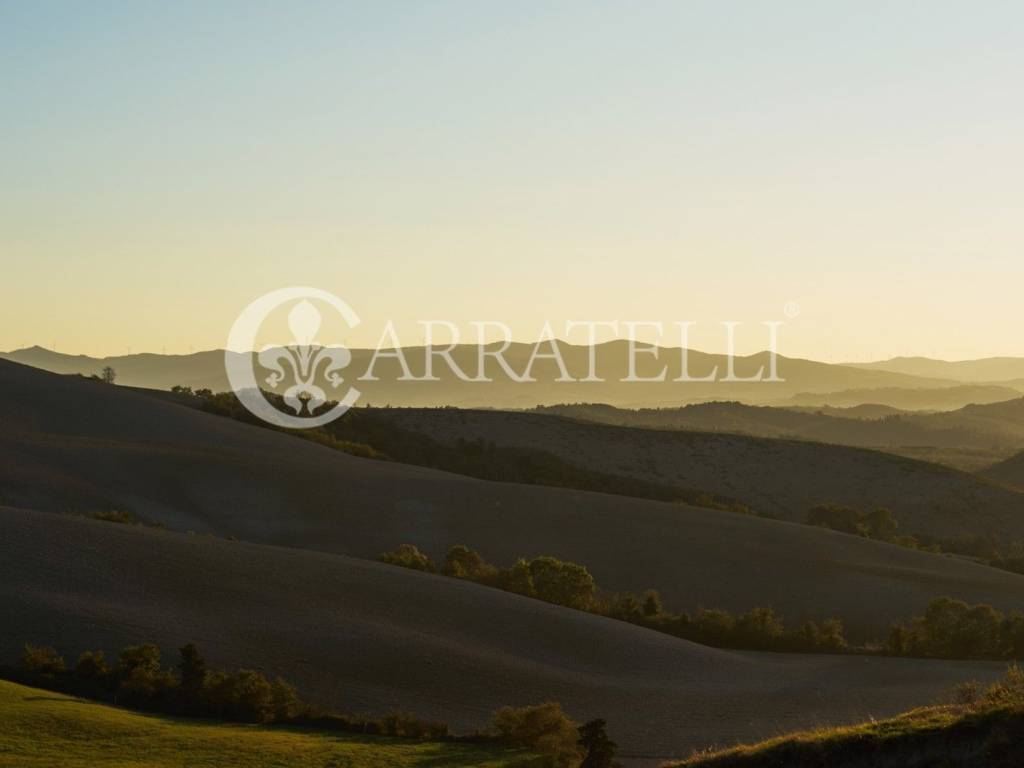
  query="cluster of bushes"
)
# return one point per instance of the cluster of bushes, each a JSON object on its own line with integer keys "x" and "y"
{"x": 547, "y": 730}
{"x": 878, "y": 524}
{"x": 571, "y": 585}
{"x": 138, "y": 679}
{"x": 952, "y": 629}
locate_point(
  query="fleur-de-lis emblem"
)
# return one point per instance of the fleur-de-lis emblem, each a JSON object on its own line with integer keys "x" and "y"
{"x": 304, "y": 359}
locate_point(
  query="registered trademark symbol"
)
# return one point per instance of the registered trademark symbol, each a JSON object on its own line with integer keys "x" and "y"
{"x": 791, "y": 310}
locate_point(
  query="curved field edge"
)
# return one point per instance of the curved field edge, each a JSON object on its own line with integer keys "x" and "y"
{"x": 40, "y": 728}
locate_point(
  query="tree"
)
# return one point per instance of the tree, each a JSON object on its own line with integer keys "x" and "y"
{"x": 881, "y": 524}
{"x": 138, "y": 668}
{"x": 408, "y": 556}
{"x": 287, "y": 703}
{"x": 465, "y": 563}
{"x": 145, "y": 657}
{"x": 517, "y": 579}
{"x": 544, "y": 728}
{"x": 837, "y": 517}
{"x": 652, "y": 604}
{"x": 91, "y": 666}
{"x": 193, "y": 670}
{"x": 598, "y": 748}
{"x": 757, "y": 626}
{"x": 831, "y": 637}
{"x": 109, "y": 375}
{"x": 44, "y": 659}
{"x": 562, "y": 583}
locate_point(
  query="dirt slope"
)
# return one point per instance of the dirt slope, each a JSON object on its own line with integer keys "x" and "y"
{"x": 370, "y": 637}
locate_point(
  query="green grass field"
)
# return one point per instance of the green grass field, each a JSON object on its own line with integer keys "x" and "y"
{"x": 39, "y": 728}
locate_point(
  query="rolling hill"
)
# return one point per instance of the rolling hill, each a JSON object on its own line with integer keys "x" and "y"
{"x": 907, "y": 398}
{"x": 363, "y": 636}
{"x": 970, "y": 438}
{"x": 783, "y": 478}
{"x": 990, "y": 369}
{"x": 70, "y": 444}
{"x": 1009, "y": 472}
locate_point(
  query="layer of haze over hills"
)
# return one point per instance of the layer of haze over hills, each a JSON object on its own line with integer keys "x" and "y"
{"x": 988, "y": 369}
{"x": 805, "y": 382}
{"x": 970, "y": 438}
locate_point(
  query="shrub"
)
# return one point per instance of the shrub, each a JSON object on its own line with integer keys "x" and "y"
{"x": 598, "y": 749}
{"x": 544, "y": 728}
{"x": 518, "y": 579}
{"x": 652, "y": 606}
{"x": 562, "y": 583}
{"x": 837, "y": 518}
{"x": 91, "y": 666}
{"x": 408, "y": 556}
{"x": 144, "y": 657}
{"x": 192, "y": 668}
{"x": 952, "y": 629}
{"x": 465, "y": 563}
{"x": 42, "y": 659}
{"x": 285, "y": 699}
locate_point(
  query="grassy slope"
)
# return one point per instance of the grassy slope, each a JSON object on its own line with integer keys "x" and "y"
{"x": 929, "y": 737}
{"x": 39, "y": 728}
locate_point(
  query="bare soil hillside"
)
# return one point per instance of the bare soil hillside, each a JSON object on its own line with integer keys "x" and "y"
{"x": 364, "y": 636}
{"x": 68, "y": 444}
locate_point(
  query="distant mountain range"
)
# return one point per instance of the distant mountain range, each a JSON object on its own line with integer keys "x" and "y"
{"x": 806, "y": 382}
{"x": 989, "y": 369}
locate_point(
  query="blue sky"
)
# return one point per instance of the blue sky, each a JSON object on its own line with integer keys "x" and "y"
{"x": 522, "y": 162}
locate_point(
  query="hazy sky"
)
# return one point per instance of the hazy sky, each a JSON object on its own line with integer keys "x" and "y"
{"x": 163, "y": 164}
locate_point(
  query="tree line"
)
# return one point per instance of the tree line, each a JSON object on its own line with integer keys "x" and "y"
{"x": 138, "y": 679}
{"x": 948, "y": 629}
{"x": 954, "y": 629}
{"x": 571, "y": 585}
{"x": 881, "y": 525}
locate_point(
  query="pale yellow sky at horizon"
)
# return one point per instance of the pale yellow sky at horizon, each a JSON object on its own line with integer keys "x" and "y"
{"x": 164, "y": 166}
